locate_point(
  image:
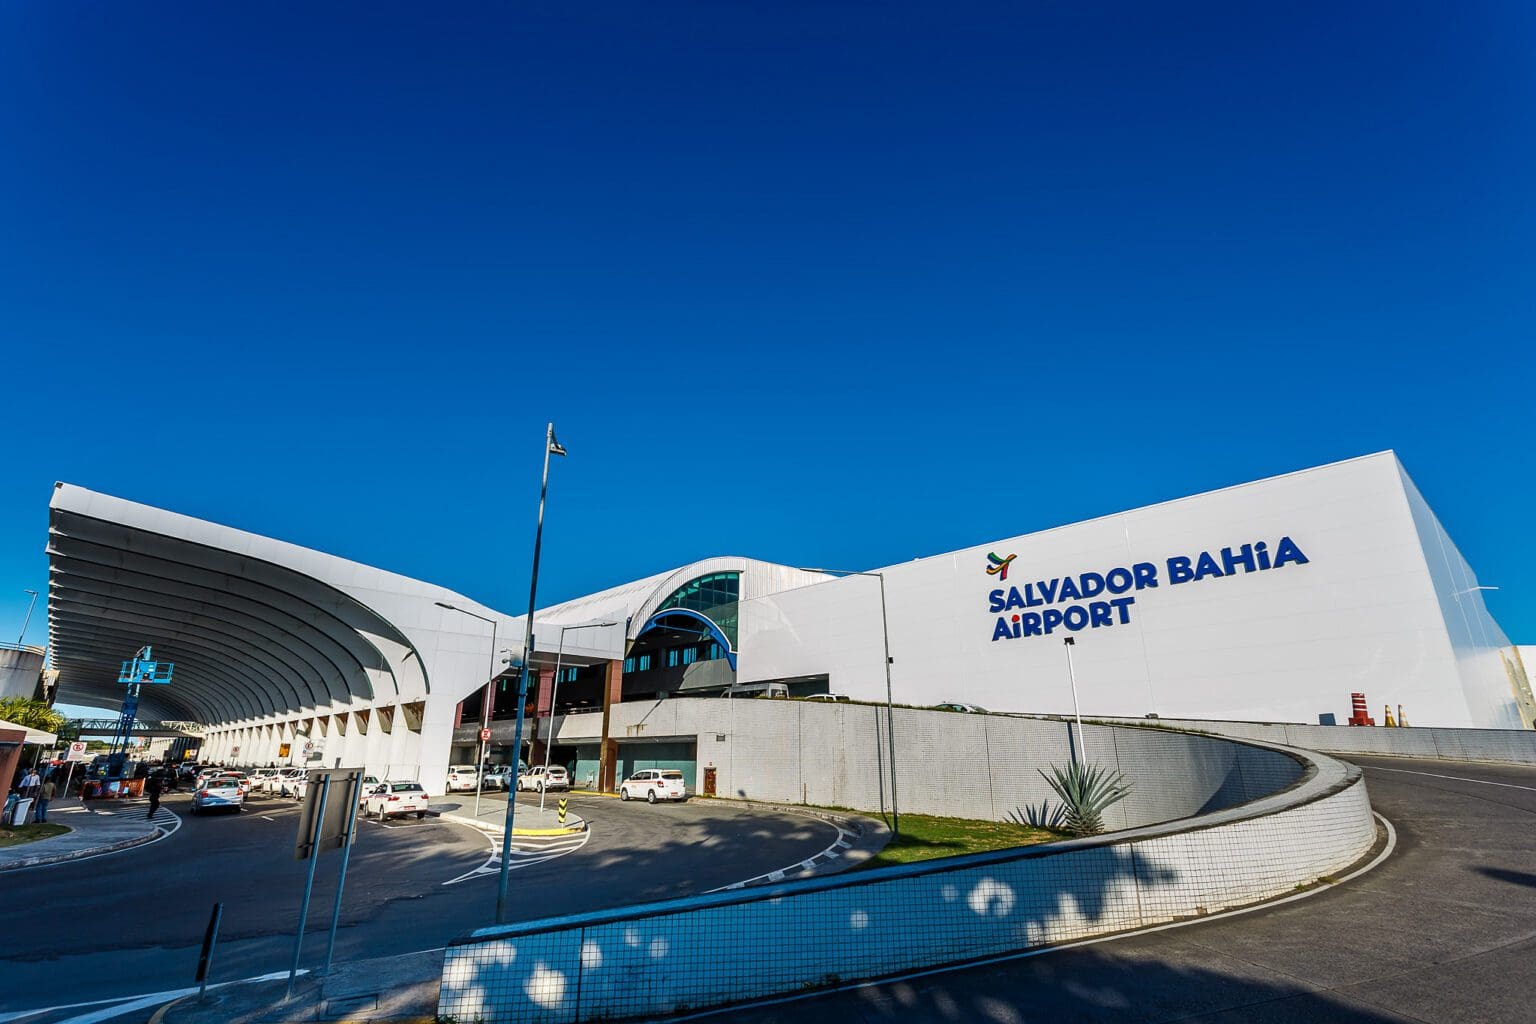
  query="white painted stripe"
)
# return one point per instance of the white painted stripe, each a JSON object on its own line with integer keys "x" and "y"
{"x": 1453, "y": 778}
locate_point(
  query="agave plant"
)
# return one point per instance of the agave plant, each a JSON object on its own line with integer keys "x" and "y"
{"x": 1086, "y": 792}
{"x": 1046, "y": 816}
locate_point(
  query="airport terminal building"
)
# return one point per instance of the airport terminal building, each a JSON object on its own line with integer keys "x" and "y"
{"x": 1273, "y": 601}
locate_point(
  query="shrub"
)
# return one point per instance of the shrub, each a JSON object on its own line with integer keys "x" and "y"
{"x": 1086, "y": 792}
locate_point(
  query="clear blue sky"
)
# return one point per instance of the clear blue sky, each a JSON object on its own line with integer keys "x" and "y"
{"x": 841, "y": 283}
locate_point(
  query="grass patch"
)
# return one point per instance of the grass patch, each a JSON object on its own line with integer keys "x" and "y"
{"x": 926, "y": 837}
{"x": 10, "y": 836}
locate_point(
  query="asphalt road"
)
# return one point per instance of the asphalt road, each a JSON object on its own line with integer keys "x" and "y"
{"x": 132, "y": 922}
{"x": 1443, "y": 931}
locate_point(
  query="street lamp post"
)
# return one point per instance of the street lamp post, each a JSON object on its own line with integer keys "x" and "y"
{"x": 549, "y": 740}
{"x": 890, "y": 713}
{"x": 28, "y": 620}
{"x": 1071, "y": 642}
{"x": 485, "y": 701}
{"x": 551, "y": 447}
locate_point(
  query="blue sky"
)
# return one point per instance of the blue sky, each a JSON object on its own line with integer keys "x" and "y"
{"x": 835, "y": 283}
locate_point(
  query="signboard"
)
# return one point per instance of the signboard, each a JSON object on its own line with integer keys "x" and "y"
{"x": 1065, "y": 602}
{"x": 317, "y": 835}
{"x": 77, "y": 752}
{"x": 485, "y": 735}
{"x": 283, "y": 749}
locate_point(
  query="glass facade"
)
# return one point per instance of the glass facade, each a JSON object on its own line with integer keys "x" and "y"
{"x": 714, "y": 596}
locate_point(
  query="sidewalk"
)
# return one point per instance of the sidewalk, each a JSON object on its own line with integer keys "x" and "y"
{"x": 108, "y": 826}
{"x": 394, "y": 988}
{"x": 529, "y": 821}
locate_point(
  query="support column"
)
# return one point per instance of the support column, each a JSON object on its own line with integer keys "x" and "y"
{"x": 543, "y": 703}
{"x": 608, "y": 749}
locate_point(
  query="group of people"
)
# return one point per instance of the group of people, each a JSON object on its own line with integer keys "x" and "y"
{"x": 39, "y": 789}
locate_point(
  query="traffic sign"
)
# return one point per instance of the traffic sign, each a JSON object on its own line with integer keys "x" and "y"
{"x": 485, "y": 735}
{"x": 77, "y": 752}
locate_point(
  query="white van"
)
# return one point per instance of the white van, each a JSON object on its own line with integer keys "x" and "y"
{"x": 778, "y": 690}
{"x": 831, "y": 698}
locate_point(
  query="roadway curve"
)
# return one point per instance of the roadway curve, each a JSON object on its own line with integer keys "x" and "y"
{"x": 132, "y": 922}
{"x": 1444, "y": 930}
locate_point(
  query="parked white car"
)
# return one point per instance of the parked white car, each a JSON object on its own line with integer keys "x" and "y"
{"x": 259, "y": 777}
{"x": 393, "y": 799}
{"x": 831, "y": 698}
{"x": 540, "y": 778}
{"x": 219, "y": 791}
{"x": 654, "y": 784}
{"x": 463, "y": 777}
{"x": 286, "y": 781}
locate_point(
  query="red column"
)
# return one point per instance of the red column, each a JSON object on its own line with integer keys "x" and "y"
{"x": 608, "y": 752}
{"x": 543, "y": 700}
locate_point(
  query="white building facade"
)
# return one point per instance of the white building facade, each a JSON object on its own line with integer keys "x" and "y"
{"x": 1274, "y": 600}
{"x": 1270, "y": 601}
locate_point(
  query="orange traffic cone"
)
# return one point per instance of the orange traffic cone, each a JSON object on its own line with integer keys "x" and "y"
{"x": 1389, "y": 723}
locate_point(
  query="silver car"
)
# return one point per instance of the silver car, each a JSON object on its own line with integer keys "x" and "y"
{"x": 221, "y": 791}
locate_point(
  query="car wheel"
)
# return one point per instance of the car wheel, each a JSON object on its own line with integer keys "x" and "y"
{"x": 650, "y": 797}
{"x": 623, "y": 793}
{"x": 420, "y": 815}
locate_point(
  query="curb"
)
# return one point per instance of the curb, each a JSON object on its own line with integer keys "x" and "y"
{"x": 93, "y": 851}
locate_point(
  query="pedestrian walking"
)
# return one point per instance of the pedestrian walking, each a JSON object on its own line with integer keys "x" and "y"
{"x": 30, "y": 782}
{"x": 152, "y": 786}
{"x": 44, "y": 795}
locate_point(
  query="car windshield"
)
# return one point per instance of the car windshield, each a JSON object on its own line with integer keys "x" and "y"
{"x": 227, "y": 782}
{"x": 405, "y": 787}
{"x": 672, "y": 775}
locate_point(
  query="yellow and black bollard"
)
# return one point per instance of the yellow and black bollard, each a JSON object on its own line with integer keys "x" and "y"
{"x": 562, "y": 812}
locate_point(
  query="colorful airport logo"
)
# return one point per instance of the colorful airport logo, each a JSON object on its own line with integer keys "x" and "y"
{"x": 999, "y": 566}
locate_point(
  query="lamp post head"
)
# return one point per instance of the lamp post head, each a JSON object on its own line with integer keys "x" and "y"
{"x": 1070, "y": 641}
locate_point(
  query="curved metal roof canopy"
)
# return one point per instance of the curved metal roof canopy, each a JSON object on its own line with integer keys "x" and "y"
{"x": 249, "y": 637}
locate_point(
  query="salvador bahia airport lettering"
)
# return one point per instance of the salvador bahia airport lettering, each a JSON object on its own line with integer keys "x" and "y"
{"x": 1117, "y": 585}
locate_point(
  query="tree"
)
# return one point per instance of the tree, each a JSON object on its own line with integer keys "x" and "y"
{"x": 33, "y": 714}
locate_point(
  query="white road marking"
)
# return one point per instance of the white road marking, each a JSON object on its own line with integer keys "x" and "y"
{"x": 267, "y": 818}
{"x": 124, "y": 1004}
{"x": 807, "y": 865}
{"x": 1453, "y": 778}
{"x": 526, "y": 852}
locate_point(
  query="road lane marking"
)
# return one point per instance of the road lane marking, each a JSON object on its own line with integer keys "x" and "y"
{"x": 526, "y": 852}
{"x": 120, "y": 1005}
{"x": 1453, "y": 778}
{"x": 808, "y": 865}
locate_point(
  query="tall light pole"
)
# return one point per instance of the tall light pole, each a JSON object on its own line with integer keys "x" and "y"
{"x": 28, "y": 620}
{"x": 549, "y": 740}
{"x": 890, "y": 713}
{"x": 551, "y": 447}
{"x": 1071, "y": 642}
{"x": 485, "y": 702}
